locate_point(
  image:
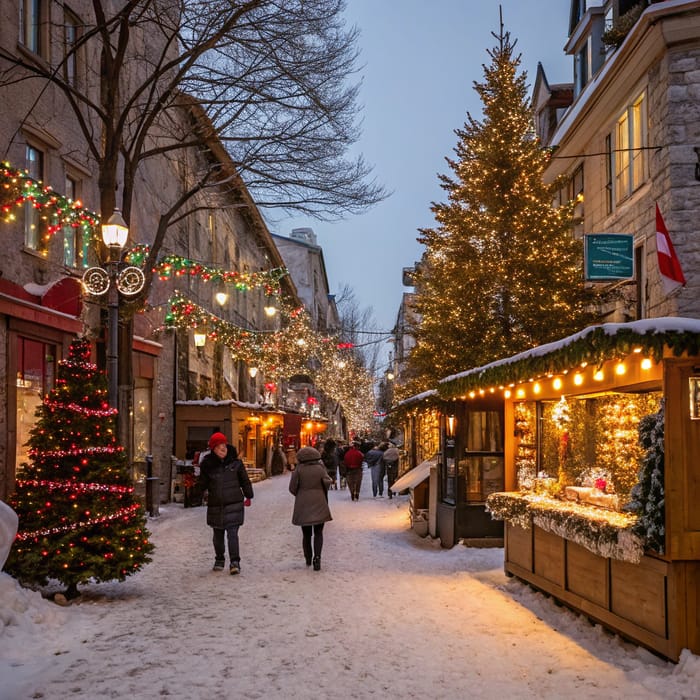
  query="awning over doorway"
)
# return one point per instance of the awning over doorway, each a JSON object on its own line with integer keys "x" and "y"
{"x": 415, "y": 476}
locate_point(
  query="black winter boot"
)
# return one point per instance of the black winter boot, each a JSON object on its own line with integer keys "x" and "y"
{"x": 317, "y": 563}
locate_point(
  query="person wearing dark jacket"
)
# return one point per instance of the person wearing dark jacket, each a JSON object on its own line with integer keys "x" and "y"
{"x": 225, "y": 477}
{"x": 373, "y": 458}
{"x": 329, "y": 455}
{"x": 309, "y": 485}
{"x": 390, "y": 460}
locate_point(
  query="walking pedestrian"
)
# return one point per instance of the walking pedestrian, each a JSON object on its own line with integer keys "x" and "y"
{"x": 309, "y": 485}
{"x": 329, "y": 455}
{"x": 373, "y": 457}
{"x": 342, "y": 469}
{"x": 390, "y": 459}
{"x": 291, "y": 458}
{"x": 225, "y": 477}
{"x": 353, "y": 460}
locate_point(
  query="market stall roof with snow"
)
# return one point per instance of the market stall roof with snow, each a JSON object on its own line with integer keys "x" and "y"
{"x": 592, "y": 346}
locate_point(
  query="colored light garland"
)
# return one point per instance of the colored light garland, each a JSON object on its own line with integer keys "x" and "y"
{"x": 177, "y": 266}
{"x": 18, "y": 187}
{"x": 137, "y": 254}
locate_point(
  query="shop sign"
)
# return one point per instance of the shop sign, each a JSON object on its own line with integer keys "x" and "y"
{"x": 608, "y": 256}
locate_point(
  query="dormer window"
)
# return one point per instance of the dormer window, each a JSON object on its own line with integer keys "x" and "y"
{"x": 582, "y": 68}
{"x": 585, "y": 44}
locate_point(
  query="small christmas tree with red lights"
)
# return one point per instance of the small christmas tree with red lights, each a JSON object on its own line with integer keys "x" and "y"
{"x": 79, "y": 519}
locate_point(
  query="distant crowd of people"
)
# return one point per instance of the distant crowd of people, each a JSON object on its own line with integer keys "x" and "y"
{"x": 344, "y": 464}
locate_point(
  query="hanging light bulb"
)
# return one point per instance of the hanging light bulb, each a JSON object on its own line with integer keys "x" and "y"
{"x": 221, "y": 298}
{"x": 270, "y": 308}
{"x": 252, "y": 371}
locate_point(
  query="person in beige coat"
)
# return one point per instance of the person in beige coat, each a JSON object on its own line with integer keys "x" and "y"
{"x": 309, "y": 485}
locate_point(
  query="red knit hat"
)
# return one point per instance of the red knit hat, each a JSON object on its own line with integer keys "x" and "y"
{"x": 217, "y": 439}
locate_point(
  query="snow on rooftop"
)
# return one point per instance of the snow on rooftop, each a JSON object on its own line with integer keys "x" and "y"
{"x": 647, "y": 326}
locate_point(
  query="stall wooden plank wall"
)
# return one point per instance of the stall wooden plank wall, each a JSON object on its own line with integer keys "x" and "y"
{"x": 653, "y": 603}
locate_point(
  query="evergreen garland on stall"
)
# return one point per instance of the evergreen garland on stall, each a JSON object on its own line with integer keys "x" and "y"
{"x": 647, "y": 496}
{"x": 79, "y": 518}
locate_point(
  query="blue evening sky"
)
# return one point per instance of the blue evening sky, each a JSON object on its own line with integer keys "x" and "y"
{"x": 419, "y": 62}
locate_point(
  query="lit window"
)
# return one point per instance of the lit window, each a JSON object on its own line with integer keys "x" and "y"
{"x": 75, "y": 239}
{"x": 32, "y": 220}
{"x": 626, "y": 151}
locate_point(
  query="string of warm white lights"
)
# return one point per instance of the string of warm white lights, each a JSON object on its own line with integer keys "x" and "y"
{"x": 77, "y": 452}
{"x": 74, "y": 486}
{"x": 122, "y": 513}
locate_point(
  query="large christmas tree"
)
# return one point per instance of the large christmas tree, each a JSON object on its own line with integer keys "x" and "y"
{"x": 501, "y": 272}
{"x": 79, "y": 519}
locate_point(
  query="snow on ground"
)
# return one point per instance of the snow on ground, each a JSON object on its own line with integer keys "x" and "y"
{"x": 389, "y": 615}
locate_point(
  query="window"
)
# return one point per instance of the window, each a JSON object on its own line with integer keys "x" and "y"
{"x": 35, "y": 378}
{"x": 70, "y": 60}
{"x": 143, "y": 415}
{"x": 581, "y": 69}
{"x": 474, "y": 463}
{"x": 607, "y": 26}
{"x": 609, "y": 202}
{"x": 576, "y": 183}
{"x": 30, "y": 25}
{"x": 75, "y": 239}
{"x": 32, "y": 220}
{"x": 483, "y": 464}
{"x": 625, "y": 150}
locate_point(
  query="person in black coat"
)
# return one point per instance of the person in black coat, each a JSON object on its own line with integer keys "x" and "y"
{"x": 230, "y": 490}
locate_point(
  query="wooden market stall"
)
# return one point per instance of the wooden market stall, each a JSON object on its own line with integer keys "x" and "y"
{"x": 602, "y": 475}
{"x": 419, "y": 417}
{"x": 466, "y": 436}
{"x": 253, "y": 429}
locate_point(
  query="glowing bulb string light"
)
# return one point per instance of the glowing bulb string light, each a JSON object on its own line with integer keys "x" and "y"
{"x": 18, "y": 187}
{"x": 80, "y": 487}
{"x": 123, "y": 513}
{"x": 74, "y": 452}
{"x": 177, "y": 266}
{"x": 277, "y": 353}
{"x": 77, "y": 408}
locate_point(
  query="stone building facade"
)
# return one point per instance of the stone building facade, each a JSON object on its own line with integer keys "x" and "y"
{"x": 42, "y": 303}
{"x": 629, "y": 141}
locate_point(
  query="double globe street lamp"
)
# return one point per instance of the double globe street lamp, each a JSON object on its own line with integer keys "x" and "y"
{"x": 117, "y": 278}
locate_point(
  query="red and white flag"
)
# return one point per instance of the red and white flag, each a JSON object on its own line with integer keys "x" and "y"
{"x": 669, "y": 265}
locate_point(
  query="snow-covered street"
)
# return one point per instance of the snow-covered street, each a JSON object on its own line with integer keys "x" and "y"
{"x": 389, "y": 615}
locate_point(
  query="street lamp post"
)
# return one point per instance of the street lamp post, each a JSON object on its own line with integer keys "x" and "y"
{"x": 116, "y": 279}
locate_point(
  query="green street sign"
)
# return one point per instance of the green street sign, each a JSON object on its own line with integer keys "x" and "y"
{"x": 608, "y": 256}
